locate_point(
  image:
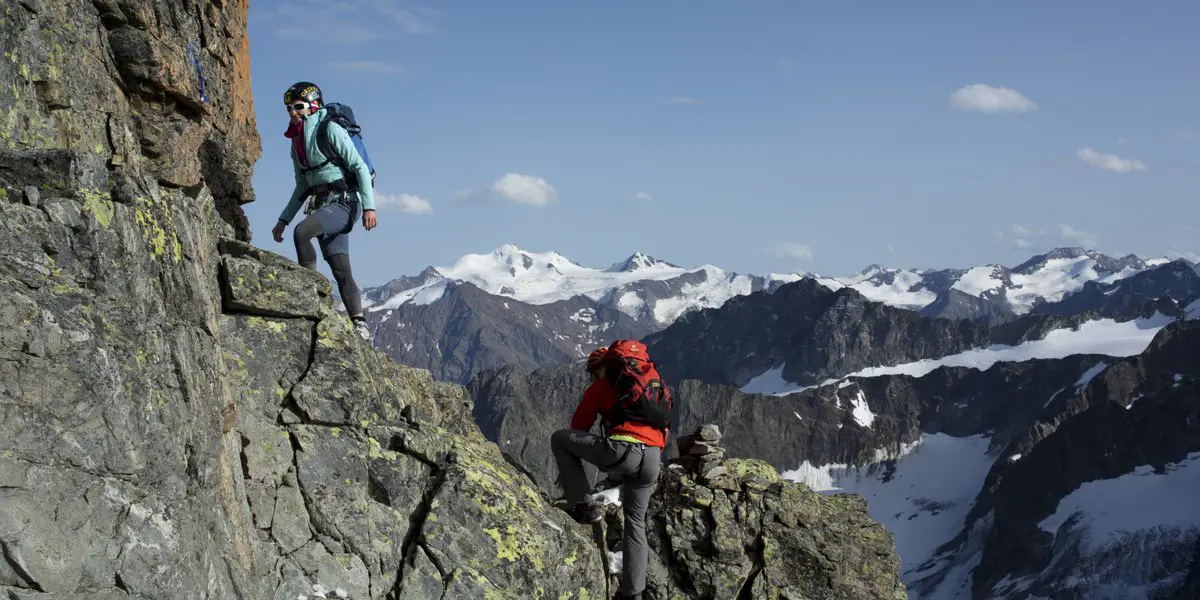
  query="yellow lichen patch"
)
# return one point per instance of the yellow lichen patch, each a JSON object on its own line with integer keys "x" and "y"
{"x": 257, "y": 322}
{"x": 374, "y": 450}
{"x": 512, "y": 546}
{"x": 745, "y": 467}
{"x": 99, "y": 205}
{"x": 156, "y": 234}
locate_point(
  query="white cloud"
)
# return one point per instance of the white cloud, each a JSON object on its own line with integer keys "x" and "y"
{"x": 368, "y": 66}
{"x": 1022, "y": 237}
{"x": 980, "y": 97}
{"x": 1018, "y": 235}
{"x": 406, "y": 203}
{"x": 1083, "y": 238}
{"x": 347, "y": 21}
{"x": 529, "y": 190}
{"x": 643, "y": 197}
{"x": 792, "y": 250}
{"x": 683, "y": 100}
{"x": 1110, "y": 162}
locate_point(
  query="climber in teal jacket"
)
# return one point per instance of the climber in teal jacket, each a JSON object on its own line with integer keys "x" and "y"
{"x": 333, "y": 201}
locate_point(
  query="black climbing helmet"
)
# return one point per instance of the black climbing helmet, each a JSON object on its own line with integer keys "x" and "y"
{"x": 303, "y": 90}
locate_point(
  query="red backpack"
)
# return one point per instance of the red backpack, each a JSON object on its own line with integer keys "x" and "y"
{"x": 642, "y": 397}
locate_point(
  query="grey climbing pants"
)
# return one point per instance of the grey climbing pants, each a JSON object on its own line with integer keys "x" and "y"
{"x": 636, "y": 466}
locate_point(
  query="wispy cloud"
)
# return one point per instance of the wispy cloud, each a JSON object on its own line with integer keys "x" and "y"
{"x": 369, "y": 66}
{"x": 1110, "y": 162}
{"x": 1183, "y": 136}
{"x": 405, "y": 203}
{"x": 683, "y": 100}
{"x": 350, "y": 21}
{"x": 791, "y": 250}
{"x": 643, "y": 196}
{"x": 980, "y": 97}
{"x": 516, "y": 188}
{"x": 1019, "y": 236}
{"x": 1086, "y": 239}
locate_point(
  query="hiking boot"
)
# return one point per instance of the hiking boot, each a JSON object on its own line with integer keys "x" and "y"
{"x": 586, "y": 512}
{"x": 360, "y": 326}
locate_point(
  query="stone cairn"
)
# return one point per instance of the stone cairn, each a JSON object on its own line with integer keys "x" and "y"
{"x": 701, "y": 454}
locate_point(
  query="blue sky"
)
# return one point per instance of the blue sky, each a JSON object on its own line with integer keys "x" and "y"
{"x": 760, "y": 136}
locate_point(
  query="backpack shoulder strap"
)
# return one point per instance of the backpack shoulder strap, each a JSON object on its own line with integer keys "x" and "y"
{"x": 325, "y": 146}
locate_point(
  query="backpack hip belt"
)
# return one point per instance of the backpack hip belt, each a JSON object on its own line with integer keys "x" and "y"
{"x": 323, "y": 195}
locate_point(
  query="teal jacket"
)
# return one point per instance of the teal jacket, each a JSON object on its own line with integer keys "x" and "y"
{"x": 340, "y": 142}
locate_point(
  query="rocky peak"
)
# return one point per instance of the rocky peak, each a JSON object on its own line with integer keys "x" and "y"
{"x": 638, "y": 261}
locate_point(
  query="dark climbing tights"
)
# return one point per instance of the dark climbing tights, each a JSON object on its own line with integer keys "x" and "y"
{"x": 306, "y": 255}
{"x": 340, "y": 265}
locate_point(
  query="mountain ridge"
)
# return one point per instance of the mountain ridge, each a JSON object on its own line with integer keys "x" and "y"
{"x": 654, "y": 294}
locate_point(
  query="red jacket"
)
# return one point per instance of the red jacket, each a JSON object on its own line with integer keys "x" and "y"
{"x": 598, "y": 399}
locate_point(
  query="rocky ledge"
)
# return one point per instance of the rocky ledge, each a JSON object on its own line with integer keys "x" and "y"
{"x": 725, "y": 527}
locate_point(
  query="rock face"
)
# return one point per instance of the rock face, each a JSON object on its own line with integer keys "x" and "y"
{"x": 183, "y": 415}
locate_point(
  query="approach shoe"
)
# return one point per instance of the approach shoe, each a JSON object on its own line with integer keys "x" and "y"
{"x": 587, "y": 512}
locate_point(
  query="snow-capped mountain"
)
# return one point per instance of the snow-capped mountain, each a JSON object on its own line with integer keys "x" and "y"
{"x": 548, "y": 309}
{"x": 641, "y": 286}
{"x": 658, "y": 292}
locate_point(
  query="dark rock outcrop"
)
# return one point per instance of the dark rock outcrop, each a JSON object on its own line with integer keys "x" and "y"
{"x": 183, "y": 415}
{"x": 812, "y": 331}
{"x": 955, "y": 304}
{"x": 816, "y": 334}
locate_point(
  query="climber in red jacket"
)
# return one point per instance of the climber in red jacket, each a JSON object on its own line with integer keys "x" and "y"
{"x": 634, "y": 406}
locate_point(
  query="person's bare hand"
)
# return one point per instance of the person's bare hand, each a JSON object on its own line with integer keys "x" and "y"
{"x": 278, "y": 231}
{"x": 369, "y": 221}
